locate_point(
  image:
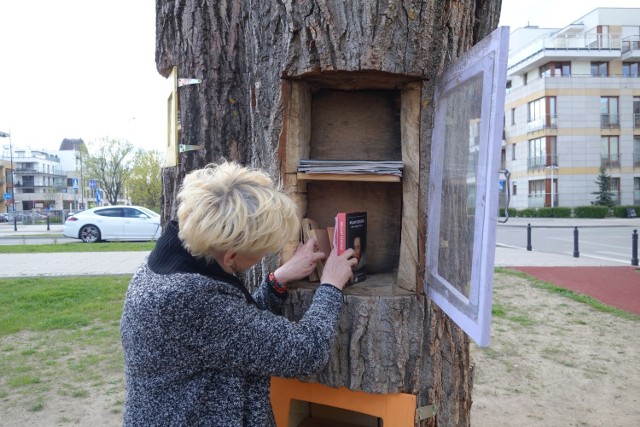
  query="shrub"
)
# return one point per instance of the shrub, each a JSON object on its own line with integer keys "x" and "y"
{"x": 528, "y": 213}
{"x": 591, "y": 211}
{"x": 622, "y": 211}
{"x": 513, "y": 212}
{"x": 562, "y": 212}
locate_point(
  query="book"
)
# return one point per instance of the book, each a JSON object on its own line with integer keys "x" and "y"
{"x": 377, "y": 167}
{"x": 322, "y": 237}
{"x": 351, "y": 232}
{"x": 307, "y": 225}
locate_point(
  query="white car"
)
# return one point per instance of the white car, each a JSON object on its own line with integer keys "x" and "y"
{"x": 133, "y": 223}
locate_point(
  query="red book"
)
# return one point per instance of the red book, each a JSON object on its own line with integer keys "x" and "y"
{"x": 351, "y": 232}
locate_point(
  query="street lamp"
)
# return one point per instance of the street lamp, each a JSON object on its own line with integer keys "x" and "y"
{"x": 13, "y": 194}
{"x": 79, "y": 157}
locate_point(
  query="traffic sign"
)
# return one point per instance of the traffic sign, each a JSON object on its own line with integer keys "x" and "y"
{"x": 75, "y": 183}
{"x": 7, "y": 196}
{"x": 92, "y": 184}
{"x": 98, "y": 195}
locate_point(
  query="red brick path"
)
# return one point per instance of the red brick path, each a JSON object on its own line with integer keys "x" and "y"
{"x": 615, "y": 286}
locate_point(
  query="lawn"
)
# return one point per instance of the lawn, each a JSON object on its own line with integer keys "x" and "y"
{"x": 60, "y": 342}
{"x": 78, "y": 247}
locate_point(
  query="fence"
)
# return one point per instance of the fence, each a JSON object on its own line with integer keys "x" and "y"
{"x": 36, "y": 216}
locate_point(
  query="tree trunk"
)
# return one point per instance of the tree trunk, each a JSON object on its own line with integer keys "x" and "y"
{"x": 246, "y": 52}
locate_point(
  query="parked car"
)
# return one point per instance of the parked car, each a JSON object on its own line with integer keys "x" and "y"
{"x": 133, "y": 223}
{"x": 4, "y": 217}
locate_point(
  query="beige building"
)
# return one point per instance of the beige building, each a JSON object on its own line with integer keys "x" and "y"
{"x": 572, "y": 107}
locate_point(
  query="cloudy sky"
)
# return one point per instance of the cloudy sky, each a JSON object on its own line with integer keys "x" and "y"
{"x": 86, "y": 69}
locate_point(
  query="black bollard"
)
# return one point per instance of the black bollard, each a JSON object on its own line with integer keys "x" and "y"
{"x": 576, "y": 252}
{"x": 634, "y": 248}
{"x": 529, "y": 237}
{"x": 48, "y": 229}
{"x": 15, "y": 222}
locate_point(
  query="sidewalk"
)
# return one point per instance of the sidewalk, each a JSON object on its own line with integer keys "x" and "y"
{"x": 62, "y": 264}
{"x": 6, "y": 230}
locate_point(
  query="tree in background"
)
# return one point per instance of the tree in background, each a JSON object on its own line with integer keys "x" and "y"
{"x": 144, "y": 184}
{"x": 109, "y": 165}
{"x": 603, "y": 195}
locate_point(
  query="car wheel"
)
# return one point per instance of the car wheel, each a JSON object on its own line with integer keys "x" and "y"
{"x": 90, "y": 234}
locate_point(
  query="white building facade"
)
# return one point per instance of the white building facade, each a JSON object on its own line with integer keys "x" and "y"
{"x": 572, "y": 107}
{"x": 47, "y": 180}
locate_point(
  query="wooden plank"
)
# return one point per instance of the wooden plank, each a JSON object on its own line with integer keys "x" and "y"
{"x": 347, "y": 177}
{"x": 410, "y": 119}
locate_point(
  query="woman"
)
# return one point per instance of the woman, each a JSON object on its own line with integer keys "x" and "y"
{"x": 199, "y": 348}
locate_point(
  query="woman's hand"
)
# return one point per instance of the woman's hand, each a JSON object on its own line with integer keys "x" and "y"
{"x": 338, "y": 268}
{"x": 301, "y": 264}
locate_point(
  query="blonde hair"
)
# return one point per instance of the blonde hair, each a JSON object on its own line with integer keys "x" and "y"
{"x": 230, "y": 207}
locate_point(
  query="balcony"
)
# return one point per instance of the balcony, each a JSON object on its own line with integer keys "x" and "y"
{"x": 543, "y": 161}
{"x": 610, "y": 162}
{"x": 609, "y": 121}
{"x": 631, "y": 48}
{"x": 548, "y": 122}
{"x": 596, "y": 47}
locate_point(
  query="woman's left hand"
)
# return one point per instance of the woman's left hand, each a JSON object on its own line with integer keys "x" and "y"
{"x": 301, "y": 263}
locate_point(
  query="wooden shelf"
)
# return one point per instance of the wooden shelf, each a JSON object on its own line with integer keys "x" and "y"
{"x": 347, "y": 177}
{"x": 375, "y": 285}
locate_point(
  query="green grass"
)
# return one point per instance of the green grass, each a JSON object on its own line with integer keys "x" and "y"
{"x": 78, "y": 247}
{"x": 48, "y": 303}
{"x": 582, "y": 298}
{"x": 59, "y": 336}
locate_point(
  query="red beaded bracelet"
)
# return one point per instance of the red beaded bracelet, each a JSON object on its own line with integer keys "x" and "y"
{"x": 276, "y": 285}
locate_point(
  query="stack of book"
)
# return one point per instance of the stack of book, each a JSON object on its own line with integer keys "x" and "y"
{"x": 382, "y": 167}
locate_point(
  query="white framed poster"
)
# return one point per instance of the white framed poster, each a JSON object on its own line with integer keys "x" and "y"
{"x": 463, "y": 185}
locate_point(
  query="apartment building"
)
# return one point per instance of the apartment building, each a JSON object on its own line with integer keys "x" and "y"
{"x": 45, "y": 179}
{"x": 573, "y": 106}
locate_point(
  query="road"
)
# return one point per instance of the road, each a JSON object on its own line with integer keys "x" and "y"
{"x": 603, "y": 241}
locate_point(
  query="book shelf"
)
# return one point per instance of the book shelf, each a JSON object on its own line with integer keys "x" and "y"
{"x": 378, "y": 123}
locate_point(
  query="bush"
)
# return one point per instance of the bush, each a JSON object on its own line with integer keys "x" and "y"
{"x": 513, "y": 212}
{"x": 591, "y": 211}
{"x": 528, "y": 213}
{"x": 562, "y": 212}
{"x": 622, "y": 211}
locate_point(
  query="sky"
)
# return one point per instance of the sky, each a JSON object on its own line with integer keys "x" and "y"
{"x": 86, "y": 68}
{"x": 80, "y": 69}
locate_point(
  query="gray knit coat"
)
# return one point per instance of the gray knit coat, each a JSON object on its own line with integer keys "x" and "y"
{"x": 200, "y": 351}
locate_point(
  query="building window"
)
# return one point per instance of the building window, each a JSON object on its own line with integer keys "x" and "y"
{"x": 536, "y": 193}
{"x": 636, "y": 190}
{"x": 525, "y": 79}
{"x": 542, "y": 152}
{"x": 614, "y": 189}
{"x": 513, "y": 116}
{"x": 599, "y": 69}
{"x": 636, "y": 112}
{"x": 513, "y": 151}
{"x": 636, "y": 150}
{"x": 610, "y": 151}
{"x": 542, "y": 114}
{"x": 630, "y": 69}
{"x": 555, "y": 69}
{"x": 609, "y": 112}
{"x": 514, "y": 189}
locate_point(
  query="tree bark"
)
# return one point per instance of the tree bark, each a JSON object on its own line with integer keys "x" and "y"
{"x": 242, "y": 51}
